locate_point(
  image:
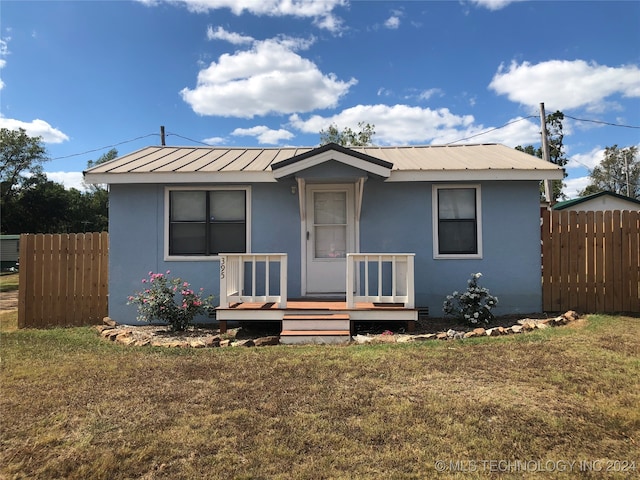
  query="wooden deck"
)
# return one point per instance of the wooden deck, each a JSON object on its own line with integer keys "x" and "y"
{"x": 316, "y": 314}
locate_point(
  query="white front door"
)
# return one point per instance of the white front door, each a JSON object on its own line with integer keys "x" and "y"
{"x": 330, "y": 235}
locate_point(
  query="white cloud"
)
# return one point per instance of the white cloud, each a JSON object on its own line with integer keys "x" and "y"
{"x": 563, "y": 84}
{"x": 320, "y": 11}
{"x": 573, "y": 186}
{"x": 588, "y": 160}
{"x": 518, "y": 131}
{"x": 268, "y": 78}
{"x": 392, "y": 22}
{"x": 427, "y": 94}
{"x": 395, "y": 124}
{"x": 220, "y": 33}
{"x": 4, "y": 51}
{"x": 35, "y": 128}
{"x": 264, "y": 134}
{"x": 68, "y": 179}
{"x": 403, "y": 124}
{"x": 214, "y": 140}
{"x": 4, "y": 46}
{"x": 493, "y": 4}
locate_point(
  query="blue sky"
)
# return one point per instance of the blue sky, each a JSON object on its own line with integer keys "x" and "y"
{"x": 89, "y": 75}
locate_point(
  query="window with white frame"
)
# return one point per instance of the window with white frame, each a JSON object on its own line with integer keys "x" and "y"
{"x": 457, "y": 221}
{"x": 206, "y": 222}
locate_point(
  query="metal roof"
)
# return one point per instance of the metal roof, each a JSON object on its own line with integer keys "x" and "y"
{"x": 577, "y": 201}
{"x": 408, "y": 163}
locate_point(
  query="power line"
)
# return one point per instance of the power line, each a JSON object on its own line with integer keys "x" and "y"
{"x": 450, "y": 143}
{"x": 108, "y": 146}
{"x": 600, "y": 122}
{"x": 190, "y": 139}
{"x": 492, "y": 129}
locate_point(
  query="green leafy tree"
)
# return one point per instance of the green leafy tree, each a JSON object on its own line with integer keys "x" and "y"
{"x": 98, "y": 198}
{"x": 557, "y": 155}
{"x": 347, "y": 137}
{"x": 41, "y": 206}
{"x": 31, "y": 203}
{"x": 20, "y": 157}
{"x": 618, "y": 172}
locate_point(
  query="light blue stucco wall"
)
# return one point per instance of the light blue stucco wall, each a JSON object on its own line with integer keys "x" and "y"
{"x": 396, "y": 217}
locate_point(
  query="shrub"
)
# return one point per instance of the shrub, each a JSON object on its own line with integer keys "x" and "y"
{"x": 472, "y": 307}
{"x": 169, "y": 300}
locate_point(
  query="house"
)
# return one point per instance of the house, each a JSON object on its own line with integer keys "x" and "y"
{"x": 599, "y": 202}
{"x": 320, "y": 238}
{"x": 9, "y": 251}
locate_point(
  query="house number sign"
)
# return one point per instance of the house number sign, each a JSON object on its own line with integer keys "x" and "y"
{"x": 223, "y": 267}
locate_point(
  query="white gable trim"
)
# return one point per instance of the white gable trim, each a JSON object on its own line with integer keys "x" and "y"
{"x": 323, "y": 157}
{"x": 473, "y": 175}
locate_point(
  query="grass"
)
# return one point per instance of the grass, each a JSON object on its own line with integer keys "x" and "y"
{"x": 9, "y": 282}
{"x": 74, "y": 406}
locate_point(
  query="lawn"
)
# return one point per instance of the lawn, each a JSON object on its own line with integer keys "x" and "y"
{"x": 76, "y": 407}
{"x": 9, "y": 282}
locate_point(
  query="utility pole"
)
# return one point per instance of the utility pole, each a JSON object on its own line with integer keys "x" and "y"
{"x": 548, "y": 194}
{"x": 162, "y": 135}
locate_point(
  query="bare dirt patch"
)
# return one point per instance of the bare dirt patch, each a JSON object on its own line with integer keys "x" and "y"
{"x": 8, "y": 300}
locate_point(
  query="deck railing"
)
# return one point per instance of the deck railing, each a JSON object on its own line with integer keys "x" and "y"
{"x": 380, "y": 278}
{"x": 249, "y": 277}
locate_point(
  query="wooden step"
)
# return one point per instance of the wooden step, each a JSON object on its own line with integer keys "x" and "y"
{"x": 318, "y": 337}
{"x": 285, "y": 333}
{"x": 320, "y": 322}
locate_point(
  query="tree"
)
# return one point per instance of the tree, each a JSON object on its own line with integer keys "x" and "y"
{"x": 98, "y": 197}
{"x": 555, "y": 138}
{"x": 347, "y": 137}
{"x": 40, "y": 206}
{"x": 618, "y": 172}
{"x": 20, "y": 154}
{"x": 31, "y": 203}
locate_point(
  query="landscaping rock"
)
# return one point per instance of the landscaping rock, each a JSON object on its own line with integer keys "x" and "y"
{"x": 384, "y": 338}
{"x": 159, "y": 336}
{"x": 404, "y": 338}
{"x": 211, "y": 341}
{"x": 424, "y": 336}
{"x": 110, "y": 322}
{"x": 265, "y": 341}
{"x": 362, "y": 339}
{"x": 571, "y": 316}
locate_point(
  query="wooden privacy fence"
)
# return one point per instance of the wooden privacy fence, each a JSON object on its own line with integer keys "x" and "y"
{"x": 63, "y": 279}
{"x": 591, "y": 261}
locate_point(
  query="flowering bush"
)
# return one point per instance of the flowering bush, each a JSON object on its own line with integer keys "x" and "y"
{"x": 473, "y": 307}
{"x": 169, "y": 300}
